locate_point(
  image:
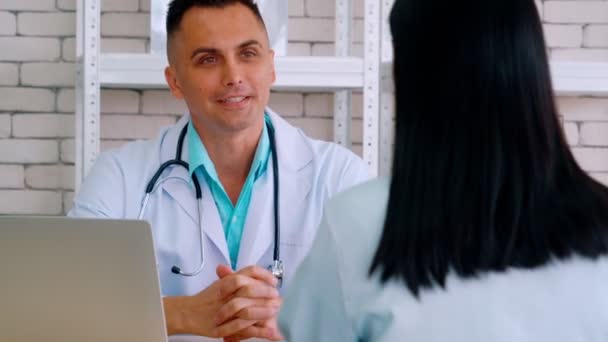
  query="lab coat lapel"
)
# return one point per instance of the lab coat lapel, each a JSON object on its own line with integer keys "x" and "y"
{"x": 258, "y": 234}
{"x": 295, "y": 181}
{"x": 182, "y": 191}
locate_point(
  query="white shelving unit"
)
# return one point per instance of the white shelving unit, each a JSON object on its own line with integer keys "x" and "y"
{"x": 340, "y": 74}
{"x": 569, "y": 78}
{"x": 293, "y": 73}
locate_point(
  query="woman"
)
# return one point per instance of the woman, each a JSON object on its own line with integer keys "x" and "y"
{"x": 488, "y": 229}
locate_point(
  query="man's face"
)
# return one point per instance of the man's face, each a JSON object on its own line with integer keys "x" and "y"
{"x": 222, "y": 66}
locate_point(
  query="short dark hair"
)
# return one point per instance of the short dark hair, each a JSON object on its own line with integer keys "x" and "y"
{"x": 177, "y": 9}
{"x": 482, "y": 177}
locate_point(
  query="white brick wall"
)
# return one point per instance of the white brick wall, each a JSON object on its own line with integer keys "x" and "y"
{"x": 28, "y": 151}
{"x": 298, "y": 49}
{"x": 21, "y": 202}
{"x": 321, "y": 105}
{"x": 572, "y": 134}
{"x": 161, "y": 102}
{"x": 133, "y": 126}
{"x": 563, "y": 35}
{"x": 583, "y": 109}
{"x": 123, "y": 45}
{"x": 8, "y": 24}
{"x": 28, "y": 5}
{"x": 13, "y": 176}
{"x": 296, "y": 8}
{"x": 26, "y": 99}
{"x": 596, "y": 36}
{"x": 40, "y": 125}
{"x": 120, "y": 5}
{"x": 577, "y": 12}
{"x": 37, "y": 52}
{"x": 5, "y": 125}
{"x": 68, "y": 200}
{"x": 48, "y": 74}
{"x": 68, "y": 49}
{"x": 67, "y": 151}
{"x": 320, "y": 8}
{"x": 50, "y": 177}
{"x": 66, "y": 5}
{"x": 46, "y": 24}
{"x": 25, "y": 49}
{"x": 594, "y": 134}
{"x": 327, "y": 9}
{"x": 311, "y": 29}
{"x": 288, "y": 104}
{"x": 9, "y": 74}
{"x": 592, "y": 159}
{"x": 125, "y": 24}
{"x": 66, "y": 100}
{"x": 119, "y": 101}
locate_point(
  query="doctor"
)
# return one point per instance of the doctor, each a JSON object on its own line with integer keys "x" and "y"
{"x": 263, "y": 183}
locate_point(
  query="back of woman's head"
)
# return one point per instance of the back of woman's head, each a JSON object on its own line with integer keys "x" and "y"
{"x": 482, "y": 176}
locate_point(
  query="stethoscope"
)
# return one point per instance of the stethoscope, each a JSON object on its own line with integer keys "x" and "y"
{"x": 277, "y": 265}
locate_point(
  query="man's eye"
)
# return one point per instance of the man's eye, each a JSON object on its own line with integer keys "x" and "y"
{"x": 249, "y": 53}
{"x": 207, "y": 60}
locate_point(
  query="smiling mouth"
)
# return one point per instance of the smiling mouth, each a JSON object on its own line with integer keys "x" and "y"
{"x": 234, "y": 100}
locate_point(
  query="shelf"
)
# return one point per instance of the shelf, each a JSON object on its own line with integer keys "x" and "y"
{"x": 146, "y": 71}
{"x": 569, "y": 78}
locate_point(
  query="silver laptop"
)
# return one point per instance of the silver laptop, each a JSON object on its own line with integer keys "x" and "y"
{"x": 68, "y": 280}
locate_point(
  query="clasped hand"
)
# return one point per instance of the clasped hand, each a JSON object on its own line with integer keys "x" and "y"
{"x": 251, "y": 304}
{"x": 237, "y": 306}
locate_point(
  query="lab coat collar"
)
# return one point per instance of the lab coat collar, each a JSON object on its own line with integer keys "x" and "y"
{"x": 294, "y": 153}
{"x": 295, "y": 158}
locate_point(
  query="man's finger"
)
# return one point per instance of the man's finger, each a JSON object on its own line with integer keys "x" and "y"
{"x": 259, "y": 273}
{"x": 257, "y": 290}
{"x": 248, "y": 309}
{"x": 248, "y": 287}
{"x": 228, "y": 310}
{"x": 223, "y": 271}
{"x": 232, "y": 327}
{"x": 232, "y": 283}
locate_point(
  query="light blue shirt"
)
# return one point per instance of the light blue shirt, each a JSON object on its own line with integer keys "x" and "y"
{"x": 333, "y": 298}
{"x": 233, "y": 216}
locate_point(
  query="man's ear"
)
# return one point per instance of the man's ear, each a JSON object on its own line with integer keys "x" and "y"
{"x": 172, "y": 81}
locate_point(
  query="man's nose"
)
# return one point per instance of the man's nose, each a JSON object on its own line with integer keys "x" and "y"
{"x": 232, "y": 73}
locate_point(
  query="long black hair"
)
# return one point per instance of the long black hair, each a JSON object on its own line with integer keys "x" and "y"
{"x": 482, "y": 176}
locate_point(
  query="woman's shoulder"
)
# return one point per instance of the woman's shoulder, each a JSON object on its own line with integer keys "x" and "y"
{"x": 355, "y": 219}
{"x": 360, "y": 205}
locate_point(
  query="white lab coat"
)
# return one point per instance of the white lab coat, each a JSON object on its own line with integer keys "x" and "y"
{"x": 310, "y": 172}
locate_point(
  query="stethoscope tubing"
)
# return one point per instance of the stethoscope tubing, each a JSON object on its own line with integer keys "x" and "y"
{"x": 277, "y": 265}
